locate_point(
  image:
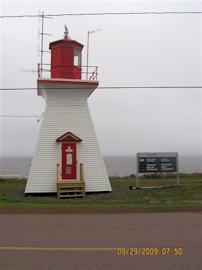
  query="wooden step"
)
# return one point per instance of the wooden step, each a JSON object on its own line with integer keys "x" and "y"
{"x": 70, "y": 185}
{"x": 70, "y": 196}
{"x": 71, "y": 188}
{"x": 72, "y": 191}
{"x": 76, "y": 190}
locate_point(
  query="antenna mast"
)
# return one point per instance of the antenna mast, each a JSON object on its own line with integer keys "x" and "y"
{"x": 42, "y": 34}
{"x": 40, "y": 66}
{"x": 89, "y": 32}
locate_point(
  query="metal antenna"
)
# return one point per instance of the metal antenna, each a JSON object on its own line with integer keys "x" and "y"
{"x": 89, "y": 32}
{"x": 29, "y": 70}
{"x": 38, "y": 50}
{"x": 42, "y": 35}
{"x": 42, "y": 18}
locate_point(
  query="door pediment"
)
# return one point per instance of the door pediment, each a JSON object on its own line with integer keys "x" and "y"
{"x": 68, "y": 137}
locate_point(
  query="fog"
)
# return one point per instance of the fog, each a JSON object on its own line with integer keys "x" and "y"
{"x": 130, "y": 50}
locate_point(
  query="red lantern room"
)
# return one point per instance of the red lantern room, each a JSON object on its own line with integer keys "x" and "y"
{"x": 66, "y": 58}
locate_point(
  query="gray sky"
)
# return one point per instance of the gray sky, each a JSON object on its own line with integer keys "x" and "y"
{"x": 131, "y": 50}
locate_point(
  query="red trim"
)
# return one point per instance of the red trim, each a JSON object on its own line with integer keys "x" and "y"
{"x": 68, "y": 168}
{"x": 66, "y": 82}
{"x": 72, "y": 138}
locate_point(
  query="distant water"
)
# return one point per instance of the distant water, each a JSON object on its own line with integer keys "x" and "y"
{"x": 122, "y": 166}
{"x": 119, "y": 166}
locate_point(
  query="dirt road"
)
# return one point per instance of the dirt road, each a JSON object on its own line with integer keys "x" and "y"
{"x": 80, "y": 241}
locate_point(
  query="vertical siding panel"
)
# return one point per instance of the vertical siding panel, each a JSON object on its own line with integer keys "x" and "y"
{"x": 66, "y": 112}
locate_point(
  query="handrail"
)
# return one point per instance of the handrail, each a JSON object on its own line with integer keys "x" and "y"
{"x": 92, "y": 75}
{"x": 82, "y": 177}
{"x": 58, "y": 177}
{"x": 58, "y": 173}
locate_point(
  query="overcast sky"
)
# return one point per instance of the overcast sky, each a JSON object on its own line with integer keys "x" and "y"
{"x": 130, "y": 50}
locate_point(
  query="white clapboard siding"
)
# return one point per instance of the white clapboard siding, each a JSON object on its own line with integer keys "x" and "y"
{"x": 66, "y": 110}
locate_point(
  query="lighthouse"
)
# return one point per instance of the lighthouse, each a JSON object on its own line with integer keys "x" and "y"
{"x": 67, "y": 157}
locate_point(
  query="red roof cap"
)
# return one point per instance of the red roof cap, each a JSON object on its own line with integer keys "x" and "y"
{"x": 66, "y": 41}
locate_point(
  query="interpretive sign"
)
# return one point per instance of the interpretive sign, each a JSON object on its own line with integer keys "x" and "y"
{"x": 157, "y": 162}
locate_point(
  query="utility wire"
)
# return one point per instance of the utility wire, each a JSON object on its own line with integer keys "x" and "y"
{"x": 104, "y": 13}
{"x": 107, "y": 87}
{"x": 18, "y": 115}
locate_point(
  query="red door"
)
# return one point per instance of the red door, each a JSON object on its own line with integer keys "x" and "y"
{"x": 69, "y": 161}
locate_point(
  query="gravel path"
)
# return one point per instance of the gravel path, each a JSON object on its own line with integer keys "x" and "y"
{"x": 20, "y": 195}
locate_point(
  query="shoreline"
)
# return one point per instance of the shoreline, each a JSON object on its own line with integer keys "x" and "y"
{"x": 144, "y": 176}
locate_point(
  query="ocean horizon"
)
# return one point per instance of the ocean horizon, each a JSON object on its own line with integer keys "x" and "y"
{"x": 115, "y": 165}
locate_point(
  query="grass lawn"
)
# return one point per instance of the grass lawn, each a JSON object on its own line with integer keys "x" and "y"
{"x": 122, "y": 198}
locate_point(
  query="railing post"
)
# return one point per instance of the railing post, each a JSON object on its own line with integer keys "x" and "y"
{"x": 82, "y": 177}
{"x": 38, "y": 70}
{"x": 58, "y": 173}
{"x": 58, "y": 185}
{"x": 81, "y": 172}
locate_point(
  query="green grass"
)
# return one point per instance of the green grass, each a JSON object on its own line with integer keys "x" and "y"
{"x": 188, "y": 196}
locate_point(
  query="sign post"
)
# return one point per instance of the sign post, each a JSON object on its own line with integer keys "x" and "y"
{"x": 137, "y": 161}
{"x": 157, "y": 162}
{"x": 178, "y": 180}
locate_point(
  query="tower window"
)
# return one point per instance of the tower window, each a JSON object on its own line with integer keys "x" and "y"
{"x": 77, "y": 58}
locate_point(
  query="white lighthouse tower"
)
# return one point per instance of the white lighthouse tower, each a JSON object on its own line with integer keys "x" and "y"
{"x": 67, "y": 158}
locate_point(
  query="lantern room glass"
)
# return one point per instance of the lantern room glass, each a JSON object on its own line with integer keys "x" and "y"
{"x": 77, "y": 58}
